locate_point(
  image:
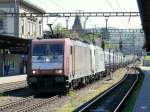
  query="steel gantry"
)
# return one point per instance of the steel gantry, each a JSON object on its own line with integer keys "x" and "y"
{"x": 117, "y": 30}
{"x": 74, "y": 14}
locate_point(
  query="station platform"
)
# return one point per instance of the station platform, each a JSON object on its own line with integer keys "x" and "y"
{"x": 143, "y": 100}
{"x": 10, "y": 79}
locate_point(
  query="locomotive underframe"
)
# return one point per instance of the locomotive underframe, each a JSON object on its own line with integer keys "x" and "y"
{"x": 47, "y": 84}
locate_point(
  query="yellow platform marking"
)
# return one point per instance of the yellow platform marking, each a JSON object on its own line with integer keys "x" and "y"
{"x": 144, "y": 67}
{"x": 147, "y": 58}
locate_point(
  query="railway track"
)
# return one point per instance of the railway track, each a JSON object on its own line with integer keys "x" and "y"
{"x": 15, "y": 103}
{"x": 26, "y": 104}
{"x": 36, "y": 104}
{"x": 12, "y": 86}
{"x": 112, "y": 99}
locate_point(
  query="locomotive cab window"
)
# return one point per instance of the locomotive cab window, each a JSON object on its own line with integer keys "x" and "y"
{"x": 39, "y": 50}
{"x": 47, "y": 49}
{"x": 47, "y": 56}
{"x": 56, "y": 49}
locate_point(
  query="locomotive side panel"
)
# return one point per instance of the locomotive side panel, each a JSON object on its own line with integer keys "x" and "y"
{"x": 82, "y": 62}
{"x": 99, "y": 60}
{"x": 92, "y": 59}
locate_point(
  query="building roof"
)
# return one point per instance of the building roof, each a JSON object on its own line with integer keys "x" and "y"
{"x": 29, "y": 4}
{"x": 13, "y": 43}
{"x": 24, "y": 2}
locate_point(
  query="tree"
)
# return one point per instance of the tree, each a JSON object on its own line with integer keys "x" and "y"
{"x": 60, "y": 31}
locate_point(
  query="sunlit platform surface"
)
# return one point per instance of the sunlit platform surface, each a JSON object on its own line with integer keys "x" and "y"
{"x": 10, "y": 79}
{"x": 143, "y": 100}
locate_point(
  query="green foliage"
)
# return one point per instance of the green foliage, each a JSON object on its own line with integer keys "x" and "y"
{"x": 90, "y": 37}
{"x": 107, "y": 45}
{"x": 58, "y": 27}
{"x": 64, "y": 33}
{"x": 72, "y": 95}
{"x": 60, "y": 30}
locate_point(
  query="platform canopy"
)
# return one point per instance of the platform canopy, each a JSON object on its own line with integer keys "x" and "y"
{"x": 144, "y": 8}
{"x": 14, "y": 44}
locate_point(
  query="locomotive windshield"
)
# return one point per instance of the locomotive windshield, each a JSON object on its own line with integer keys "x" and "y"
{"x": 47, "y": 56}
{"x": 46, "y": 50}
{"x": 39, "y": 50}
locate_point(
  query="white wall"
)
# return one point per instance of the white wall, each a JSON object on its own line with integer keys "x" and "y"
{"x": 8, "y": 22}
{"x": 33, "y": 23}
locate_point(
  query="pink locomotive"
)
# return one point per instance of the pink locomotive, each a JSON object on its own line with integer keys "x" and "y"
{"x": 56, "y": 64}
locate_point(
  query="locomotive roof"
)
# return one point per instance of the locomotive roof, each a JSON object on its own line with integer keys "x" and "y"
{"x": 49, "y": 40}
{"x": 61, "y": 40}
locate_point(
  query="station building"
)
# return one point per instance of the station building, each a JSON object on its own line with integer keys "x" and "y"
{"x": 15, "y": 31}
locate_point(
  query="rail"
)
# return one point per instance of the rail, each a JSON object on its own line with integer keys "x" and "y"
{"x": 105, "y": 101}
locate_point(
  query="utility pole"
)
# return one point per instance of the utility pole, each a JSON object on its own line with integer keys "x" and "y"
{"x": 106, "y": 19}
{"x": 104, "y": 34}
{"x": 67, "y": 21}
{"x": 4, "y": 59}
{"x": 106, "y": 29}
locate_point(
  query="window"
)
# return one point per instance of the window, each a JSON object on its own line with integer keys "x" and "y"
{"x": 11, "y": 64}
{"x": 40, "y": 29}
{"x": 39, "y": 50}
{"x": 28, "y": 28}
{"x": 1, "y": 24}
{"x": 22, "y": 26}
{"x": 47, "y": 49}
{"x": 34, "y": 30}
{"x": 31, "y": 28}
{"x": 56, "y": 49}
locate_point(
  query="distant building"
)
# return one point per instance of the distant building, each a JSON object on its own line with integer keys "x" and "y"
{"x": 24, "y": 27}
{"x": 77, "y": 25}
{"x": 20, "y": 27}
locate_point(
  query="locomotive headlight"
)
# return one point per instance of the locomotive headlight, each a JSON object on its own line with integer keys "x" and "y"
{"x": 47, "y": 60}
{"x": 34, "y": 72}
{"x": 58, "y": 71}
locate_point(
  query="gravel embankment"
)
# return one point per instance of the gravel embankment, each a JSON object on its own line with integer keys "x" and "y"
{"x": 76, "y": 98}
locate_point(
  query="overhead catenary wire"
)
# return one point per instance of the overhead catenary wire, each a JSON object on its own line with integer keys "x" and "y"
{"x": 58, "y": 5}
{"x": 121, "y": 10}
{"x": 114, "y": 11}
{"x": 47, "y": 6}
{"x": 119, "y": 5}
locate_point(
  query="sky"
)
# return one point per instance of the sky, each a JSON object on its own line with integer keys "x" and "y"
{"x": 92, "y": 6}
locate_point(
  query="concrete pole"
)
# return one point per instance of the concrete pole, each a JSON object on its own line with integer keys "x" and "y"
{"x": 67, "y": 21}
{"x": 3, "y": 61}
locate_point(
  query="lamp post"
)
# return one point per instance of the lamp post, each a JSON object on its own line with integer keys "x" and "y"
{"x": 4, "y": 59}
{"x": 67, "y": 21}
{"x": 106, "y": 20}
